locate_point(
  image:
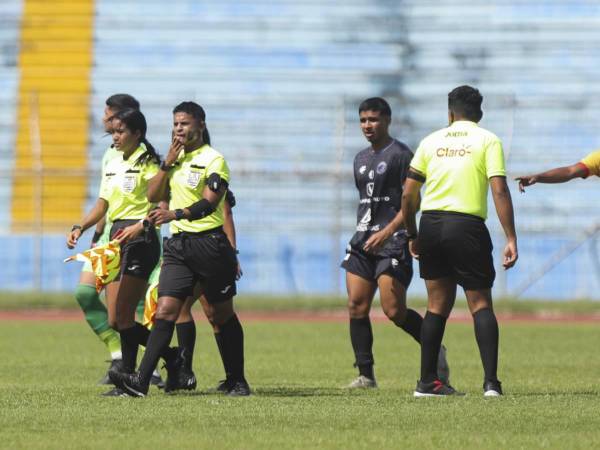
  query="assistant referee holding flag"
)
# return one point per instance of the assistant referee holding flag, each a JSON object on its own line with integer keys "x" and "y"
{"x": 457, "y": 163}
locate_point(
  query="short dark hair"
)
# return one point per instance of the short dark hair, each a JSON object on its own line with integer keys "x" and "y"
{"x": 376, "y": 104}
{"x": 197, "y": 112}
{"x": 119, "y": 102}
{"x": 465, "y": 101}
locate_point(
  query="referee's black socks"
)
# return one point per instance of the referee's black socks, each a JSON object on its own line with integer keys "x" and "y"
{"x": 158, "y": 345}
{"x": 361, "y": 336}
{"x": 432, "y": 332}
{"x": 186, "y": 339}
{"x": 486, "y": 333}
{"x": 129, "y": 348}
{"x": 230, "y": 340}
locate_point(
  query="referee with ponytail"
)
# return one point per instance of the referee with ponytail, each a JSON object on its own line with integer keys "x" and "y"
{"x": 198, "y": 255}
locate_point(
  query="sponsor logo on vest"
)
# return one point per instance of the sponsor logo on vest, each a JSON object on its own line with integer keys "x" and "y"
{"x": 445, "y": 152}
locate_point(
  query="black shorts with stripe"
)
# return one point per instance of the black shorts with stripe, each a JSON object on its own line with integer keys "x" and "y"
{"x": 393, "y": 259}
{"x": 139, "y": 256}
{"x": 456, "y": 245}
{"x": 206, "y": 258}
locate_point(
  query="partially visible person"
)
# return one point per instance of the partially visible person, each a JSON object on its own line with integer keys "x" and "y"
{"x": 590, "y": 165}
{"x": 94, "y": 311}
{"x": 458, "y": 164}
{"x": 377, "y": 257}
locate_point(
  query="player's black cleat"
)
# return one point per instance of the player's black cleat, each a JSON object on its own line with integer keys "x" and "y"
{"x": 173, "y": 365}
{"x": 131, "y": 383}
{"x": 434, "y": 389}
{"x": 156, "y": 380}
{"x": 186, "y": 379}
{"x": 239, "y": 388}
{"x": 492, "y": 388}
{"x": 114, "y": 392}
{"x": 115, "y": 364}
{"x": 222, "y": 387}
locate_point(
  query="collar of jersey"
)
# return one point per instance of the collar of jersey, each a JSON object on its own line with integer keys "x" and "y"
{"x": 463, "y": 123}
{"x": 136, "y": 153}
{"x": 193, "y": 152}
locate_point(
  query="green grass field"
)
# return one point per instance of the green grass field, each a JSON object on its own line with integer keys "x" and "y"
{"x": 48, "y": 396}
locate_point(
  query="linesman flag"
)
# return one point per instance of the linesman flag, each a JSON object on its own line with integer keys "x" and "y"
{"x": 150, "y": 304}
{"x": 105, "y": 260}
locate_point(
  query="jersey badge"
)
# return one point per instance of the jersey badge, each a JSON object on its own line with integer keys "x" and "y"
{"x": 370, "y": 187}
{"x": 371, "y": 175}
{"x": 194, "y": 178}
{"x": 362, "y": 169}
{"x": 381, "y": 167}
{"x": 129, "y": 183}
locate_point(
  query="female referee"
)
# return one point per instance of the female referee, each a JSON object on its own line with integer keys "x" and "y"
{"x": 123, "y": 199}
{"x": 197, "y": 255}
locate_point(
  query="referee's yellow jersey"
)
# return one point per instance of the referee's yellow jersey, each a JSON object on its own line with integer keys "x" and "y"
{"x": 457, "y": 162}
{"x": 592, "y": 163}
{"x": 124, "y": 186}
{"x": 187, "y": 181}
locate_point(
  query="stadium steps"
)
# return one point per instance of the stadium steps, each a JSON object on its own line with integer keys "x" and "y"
{"x": 55, "y": 62}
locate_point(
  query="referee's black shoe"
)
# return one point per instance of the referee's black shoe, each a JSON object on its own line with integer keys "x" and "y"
{"x": 492, "y": 388}
{"x": 131, "y": 383}
{"x": 239, "y": 388}
{"x": 434, "y": 389}
{"x": 222, "y": 387}
{"x": 115, "y": 364}
{"x": 173, "y": 365}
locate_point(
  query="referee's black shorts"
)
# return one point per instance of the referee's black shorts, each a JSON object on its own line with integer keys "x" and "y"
{"x": 139, "y": 256}
{"x": 456, "y": 245}
{"x": 207, "y": 258}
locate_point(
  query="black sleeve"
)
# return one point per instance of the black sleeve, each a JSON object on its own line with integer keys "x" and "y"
{"x": 230, "y": 198}
{"x": 404, "y": 164}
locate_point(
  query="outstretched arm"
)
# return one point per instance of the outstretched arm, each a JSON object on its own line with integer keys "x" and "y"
{"x": 504, "y": 209}
{"x": 557, "y": 175}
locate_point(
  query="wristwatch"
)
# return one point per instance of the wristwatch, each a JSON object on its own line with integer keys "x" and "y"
{"x": 76, "y": 227}
{"x": 412, "y": 236}
{"x": 164, "y": 167}
{"x": 179, "y": 214}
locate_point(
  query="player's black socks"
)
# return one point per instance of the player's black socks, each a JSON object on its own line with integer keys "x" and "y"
{"x": 486, "y": 332}
{"x": 158, "y": 345}
{"x": 230, "y": 340}
{"x": 142, "y": 333}
{"x": 361, "y": 336}
{"x": 129, "y": 348}
{"x": 412, "y": 324}
{"x": 432, "y": 332}
{"x": 186, "y": 338}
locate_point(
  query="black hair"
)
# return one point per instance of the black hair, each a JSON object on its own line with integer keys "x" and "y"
{"x": 465, "y": 101}
{"x": 134, "y": 120}
{"x": 119, "y": 102}
{"x": 376, "y": 104}
{"x": 197, "y": 112}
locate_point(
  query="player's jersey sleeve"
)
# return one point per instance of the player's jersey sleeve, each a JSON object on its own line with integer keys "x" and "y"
{"x": 592, "y": 163}
{"x": 219, "y": 166}
{"x": 419, "y": 161}
{"x": 494, "y": 159}
{"x": 405, "y": 162}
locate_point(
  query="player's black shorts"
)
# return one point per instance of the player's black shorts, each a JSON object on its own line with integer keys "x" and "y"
{"x": 205, "y": 257}
{"x": 393, "y": 259}
{"x": 456, "y": 245}
{"x": 140, "y": 255}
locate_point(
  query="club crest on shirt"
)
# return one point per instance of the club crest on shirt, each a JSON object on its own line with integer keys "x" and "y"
{"x": 362, "y": 169}
{"x": 194, "y": 178}
{"x": 129, "y": 183}
{"x": 381, "y": 167}
{"x": 370, "y": 187}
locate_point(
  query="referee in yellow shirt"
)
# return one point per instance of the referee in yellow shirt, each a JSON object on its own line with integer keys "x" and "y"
{"x": 453, "y": 245}
{"x": 590, "y": 165}
{"x": 123, "y": 200}
{"x": 198, "y": 255}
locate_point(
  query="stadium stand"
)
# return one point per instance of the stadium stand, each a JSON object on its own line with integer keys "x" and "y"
{"x": 281, "y": 81}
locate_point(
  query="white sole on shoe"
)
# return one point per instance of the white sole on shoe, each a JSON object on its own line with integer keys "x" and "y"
{"x": 492, "y": 393}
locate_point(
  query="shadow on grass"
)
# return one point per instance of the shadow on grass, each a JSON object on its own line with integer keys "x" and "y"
{"x": 300, "y": 391}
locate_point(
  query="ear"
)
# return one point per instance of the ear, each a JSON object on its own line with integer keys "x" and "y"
{"x": 450, "y": 117}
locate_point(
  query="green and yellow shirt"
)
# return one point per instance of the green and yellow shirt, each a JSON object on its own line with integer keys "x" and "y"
{"x": 125, "y": 185}
{"x": 457, "y": 162}
{"x": 187, "y": 181}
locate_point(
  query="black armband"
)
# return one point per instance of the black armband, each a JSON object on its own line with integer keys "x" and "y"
{"x": 200, "y": 209}
{"x": 215, "y": 182}
{"x": 415, "y": 176}
{"x": 96, "y": 237}
{"x": 230, "y": 198}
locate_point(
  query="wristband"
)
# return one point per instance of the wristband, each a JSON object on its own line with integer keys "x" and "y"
{"x": 164, "y": 167}
{"x": 179, "y": 214}
{"x": 412, "y": 236}
{"x": 76, "y": 227}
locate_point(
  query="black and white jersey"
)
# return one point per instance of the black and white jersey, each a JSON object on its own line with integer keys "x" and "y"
{"x": 379, "y": 177}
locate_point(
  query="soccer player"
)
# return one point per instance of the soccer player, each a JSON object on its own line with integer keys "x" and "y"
{"x": 123, "y": 200}
{"x": 198, "y": 253}
{"x": 453, "y": 245}
{"x": 377, "y": 256}
{"x": 590, "y": 165}
{"x": 88, "y": 298}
